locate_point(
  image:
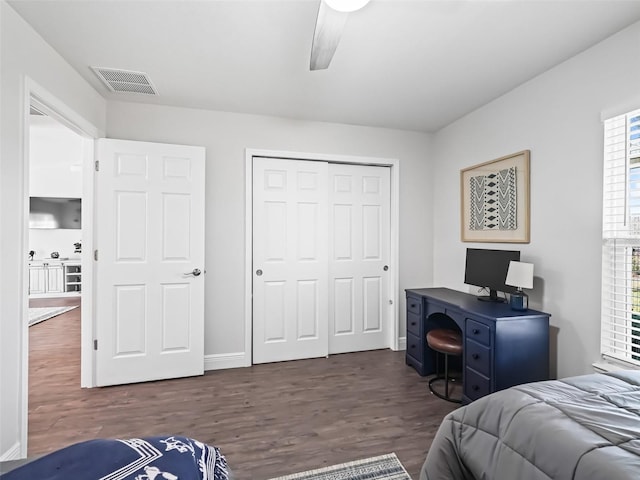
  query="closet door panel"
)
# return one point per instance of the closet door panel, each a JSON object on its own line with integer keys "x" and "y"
{"x": 359, "y": 250}
{"x": 290, "y": 263}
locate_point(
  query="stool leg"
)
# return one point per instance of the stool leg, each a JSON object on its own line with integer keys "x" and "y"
{"x": 446, "y": 376}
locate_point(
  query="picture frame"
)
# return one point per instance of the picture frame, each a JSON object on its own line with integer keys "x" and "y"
{"x": 494, "y": 205}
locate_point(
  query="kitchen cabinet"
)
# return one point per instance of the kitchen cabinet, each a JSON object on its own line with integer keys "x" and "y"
{"x": 37, "y": 279}
{"x": 72, "y": 277}
{"x": 53, "y": 278}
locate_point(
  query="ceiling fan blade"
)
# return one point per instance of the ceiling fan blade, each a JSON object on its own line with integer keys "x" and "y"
{"x": 326, "y": 36}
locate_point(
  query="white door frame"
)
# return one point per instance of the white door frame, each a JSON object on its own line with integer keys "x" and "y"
{"x": 52, "y": 106}
{"x": 394, "y": 262}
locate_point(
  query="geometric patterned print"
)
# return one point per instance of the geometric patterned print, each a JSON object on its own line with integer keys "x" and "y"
{"x": 493, "y": 201}
{"x": 161, "y": 458}
{"x": 147, "y": 454}
{"x": 383, "y": 467}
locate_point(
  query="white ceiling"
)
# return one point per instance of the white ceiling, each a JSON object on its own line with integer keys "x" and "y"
{"x": 406, "y": 64}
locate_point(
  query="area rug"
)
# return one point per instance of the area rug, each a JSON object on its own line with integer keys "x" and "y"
{"x": 40, "y": 314}
{"x": 384, "y": 467}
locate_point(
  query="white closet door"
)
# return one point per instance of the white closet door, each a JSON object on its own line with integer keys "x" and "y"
{"x": 359, "y": 250}
{"x": 290, "y": 260}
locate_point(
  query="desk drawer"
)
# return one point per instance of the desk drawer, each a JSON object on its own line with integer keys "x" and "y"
{"x": 414, "y": 305}
{"x": 413, "y": 324}
{"x": 478, "y": 357}
{"x": 415, "y": 347}
{"x": 478, "y": 331}
{"x": 475, "y": 385}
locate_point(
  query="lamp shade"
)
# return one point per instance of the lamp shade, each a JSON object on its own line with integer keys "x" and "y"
{"x": 346, "y": 6}
{"x": 520, "y": 274}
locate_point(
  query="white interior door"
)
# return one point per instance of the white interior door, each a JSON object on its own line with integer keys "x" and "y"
{"x": 289, "y": 260}
{"x": 359, "y": 250}
{"x": 149, "y": 294}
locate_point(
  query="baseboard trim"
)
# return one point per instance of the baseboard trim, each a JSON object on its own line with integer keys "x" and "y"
{"x": 12, "y": 454}
{"x": 54, "y": 295}
{"x": 221, "y": 361}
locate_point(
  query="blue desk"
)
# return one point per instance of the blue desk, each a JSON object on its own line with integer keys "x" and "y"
{"x": 502, "y": 347}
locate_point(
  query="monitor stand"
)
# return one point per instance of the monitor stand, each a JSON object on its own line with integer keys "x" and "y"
{"x": 492, "y": 297}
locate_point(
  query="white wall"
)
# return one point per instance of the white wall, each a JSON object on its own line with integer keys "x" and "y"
{"x": 55, "y": 159}
{"x": 24, "y": 55}
{"x": 558, "y": 117}
{"x": 44, "y": 241}
{"x": 55, "y": 170}
{"x": 226, "y": 136}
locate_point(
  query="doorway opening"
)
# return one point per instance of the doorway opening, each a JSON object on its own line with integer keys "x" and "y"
{"x": 70, "y": 274}
{"x": 54, "y": 240}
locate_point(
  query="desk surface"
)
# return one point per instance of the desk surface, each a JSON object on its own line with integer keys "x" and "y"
{"x": 471, "y": 304}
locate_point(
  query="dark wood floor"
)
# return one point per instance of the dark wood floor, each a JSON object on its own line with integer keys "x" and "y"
{"x": 268, "y": 420}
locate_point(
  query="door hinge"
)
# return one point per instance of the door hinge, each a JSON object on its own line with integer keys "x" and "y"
{"x": 97, "y": 165}
{"x": 95, "y": 344}
{"x": 95, "y": 255}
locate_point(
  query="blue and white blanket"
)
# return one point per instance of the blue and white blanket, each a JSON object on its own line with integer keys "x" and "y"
{"x": 153, "y": 458}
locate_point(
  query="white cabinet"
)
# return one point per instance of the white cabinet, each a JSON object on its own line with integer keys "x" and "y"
{"x": 72, "y": 277}
{"x": 54, "y": 279}
{"x": 37, "y": 279}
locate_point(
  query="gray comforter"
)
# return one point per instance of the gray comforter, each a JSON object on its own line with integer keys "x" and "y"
{"x": 585, "y": 427}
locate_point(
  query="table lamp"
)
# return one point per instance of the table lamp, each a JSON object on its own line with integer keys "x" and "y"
{"x": 519, "y": 275}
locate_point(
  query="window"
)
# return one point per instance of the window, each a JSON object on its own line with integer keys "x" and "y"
{"x": 620, "y": 338}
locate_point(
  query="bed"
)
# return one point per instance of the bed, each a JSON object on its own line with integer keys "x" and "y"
{"x": 584, "y": 427}
{"x": 161, "y": 458}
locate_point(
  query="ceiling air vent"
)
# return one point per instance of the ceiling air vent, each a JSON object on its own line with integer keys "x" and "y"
{"x": 125, "y": 81}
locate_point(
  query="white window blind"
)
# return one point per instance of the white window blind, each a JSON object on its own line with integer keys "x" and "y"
{"x": 620, "y": 337}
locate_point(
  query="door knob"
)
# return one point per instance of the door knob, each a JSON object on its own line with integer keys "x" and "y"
{"x": 258, "y": 272}
{"x": 385, "y": 268}
{"x": 195, "y": 272}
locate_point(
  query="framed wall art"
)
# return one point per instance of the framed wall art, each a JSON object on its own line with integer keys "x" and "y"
{"x": 495, "y": 200}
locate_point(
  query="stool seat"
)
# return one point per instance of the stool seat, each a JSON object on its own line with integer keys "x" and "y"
{"x": 445, "y": 341}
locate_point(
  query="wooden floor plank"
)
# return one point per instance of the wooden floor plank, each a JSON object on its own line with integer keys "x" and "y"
{"x": 268, "y": 420}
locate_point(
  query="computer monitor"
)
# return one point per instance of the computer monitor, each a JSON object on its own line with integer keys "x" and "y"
{"x": 488, "y": 269}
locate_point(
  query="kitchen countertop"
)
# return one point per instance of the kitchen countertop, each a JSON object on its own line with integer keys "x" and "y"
{"x": 54, "y": 260}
